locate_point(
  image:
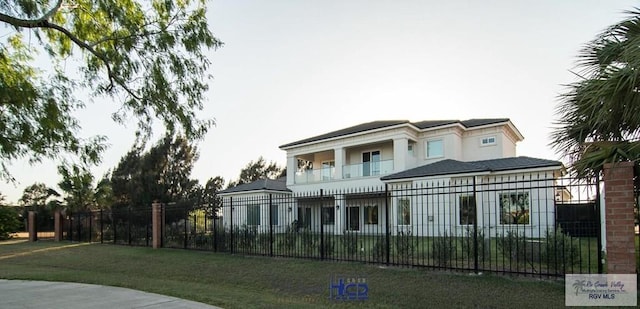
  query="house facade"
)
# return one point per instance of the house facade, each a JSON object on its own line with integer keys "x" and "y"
{"x": 423, "y": 177}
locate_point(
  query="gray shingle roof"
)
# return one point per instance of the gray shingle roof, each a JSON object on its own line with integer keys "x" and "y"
{"x": 279, "y": 184}
{"x": 350, "y": 130}
{"x": 422, "y": 125}
{"x": 449, "y": 167}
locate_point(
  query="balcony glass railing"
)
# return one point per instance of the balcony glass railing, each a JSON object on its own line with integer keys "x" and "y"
{"x": 348, "y": 171}
{"x": 316, "y": 175}
{"x": 367, "y": 169}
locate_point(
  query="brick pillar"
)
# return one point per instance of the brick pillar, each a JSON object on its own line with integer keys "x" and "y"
{"x": 58, "y": 224}
{"x": 619, "y": 204}
{"x": 156, "y": 225}
{"x": 31, "y": 223}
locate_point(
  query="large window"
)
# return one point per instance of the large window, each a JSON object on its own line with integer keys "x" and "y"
{"x": 274, "y": 214}
{"x": 467, "y": 209}
{"x": 435, "y": 148}
{"x": 404, "y": 212}
{"x": 253, "y": 215}
{"x": 371, "y": 214}
{"x": 514, "y": 208}
{"x": 371, "y": 163}
{"x": 328, "y": 215}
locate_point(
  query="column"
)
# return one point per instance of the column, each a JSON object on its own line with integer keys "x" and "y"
{"x": 338, "y": 157}
{"x": 156, "y": 225}
{"x": 33, "y": 231}
{"x": 619, "y": 217}
{"x": 400, "y": 149}
{"x": 292, "y": 168}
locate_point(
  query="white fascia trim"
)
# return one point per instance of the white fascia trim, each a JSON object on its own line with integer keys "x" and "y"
{"x": 351, "y": 135}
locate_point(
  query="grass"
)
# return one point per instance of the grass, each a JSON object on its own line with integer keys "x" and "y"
{"x": 405, "y": 250}
{"x": 233, "y": 281}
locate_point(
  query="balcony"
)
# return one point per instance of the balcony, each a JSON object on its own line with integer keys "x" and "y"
{"x": 316, "y": 175}
{"x": 376, "y": 168}
{"x": 367, "y": 169}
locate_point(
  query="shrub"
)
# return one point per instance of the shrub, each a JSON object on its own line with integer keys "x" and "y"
{"x": 443, "y": 249}
{"x": 404, "y": 246}
{"x": 9, "y": 222}
{"x": 466, "y": 242}
{"x": 245, "y": 237}
{"x": 350, "y": 243}
{"x": 309, "y": 241}
{"x": 513, "y": 246}
{"x": 560, "y": 252}
{"x": 287, "y": 241}
{"x": 328, "y": 245}
{"x": 380, "y": 250}
{"x": 264, "y": 241}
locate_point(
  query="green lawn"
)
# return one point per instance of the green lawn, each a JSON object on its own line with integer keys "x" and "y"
{"x": 233, "y": 281}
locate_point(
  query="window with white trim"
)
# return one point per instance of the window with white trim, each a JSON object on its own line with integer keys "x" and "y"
{"x": 435, "y": 148}
{"x": 404, "y": 211}
{"x": 489, "y": 140}
{"x": 514, "y": 208}
{"x": 253, "y": 215}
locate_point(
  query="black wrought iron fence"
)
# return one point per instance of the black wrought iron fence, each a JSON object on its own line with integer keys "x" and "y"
{"x": 530, "y": 224}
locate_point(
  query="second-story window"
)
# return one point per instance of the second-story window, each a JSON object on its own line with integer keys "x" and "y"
{"x": 489, "y": 140}
{"x": 435, "y": 148}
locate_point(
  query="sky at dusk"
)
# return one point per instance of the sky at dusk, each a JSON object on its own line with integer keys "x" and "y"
{"x": 295, "y": 69}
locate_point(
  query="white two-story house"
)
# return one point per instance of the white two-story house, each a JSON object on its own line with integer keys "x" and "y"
{"x": 403, "y": 154}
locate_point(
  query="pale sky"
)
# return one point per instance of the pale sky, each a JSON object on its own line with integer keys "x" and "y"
{"x": 295, "y": 69}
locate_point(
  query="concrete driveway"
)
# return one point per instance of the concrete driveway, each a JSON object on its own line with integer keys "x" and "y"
{"x": 43, "y": 294}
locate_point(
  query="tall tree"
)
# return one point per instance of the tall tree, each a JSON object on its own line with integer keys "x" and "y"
{"x": 38, "y": 196}
{"x": 77, "y": 183}
{"x": 210, "y": 196}
{"x": 600, "y": 113}
{"x": 150, "y": 56}
{"x": 162, "y": 173}
{"x": 258, "y": 170}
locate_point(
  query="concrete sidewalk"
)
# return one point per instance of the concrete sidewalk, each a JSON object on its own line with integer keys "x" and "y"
{"x": 43, "y": 294}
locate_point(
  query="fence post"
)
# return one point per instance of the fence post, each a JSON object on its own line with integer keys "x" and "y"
{"x": 386, "y": 214}
{"x": 186, "y": 222}
{"x": 619, "y": 216}
{"x": 156, "y": 225}
{"x": 599, "y": 225}
{"x": 231, "y": 223}
{"x": 215, "y": 231}
{"x": 322, "y": 253}
{"x": 101, "y": 227}
{"x": 270, "y": 225}
{"x": 475, "y": 229}
{"x": 58, "y": 223}
{"x": 129, "y": 225}
{"x": 33, "y": 229}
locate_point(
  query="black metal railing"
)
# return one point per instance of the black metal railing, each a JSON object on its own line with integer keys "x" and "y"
{"x": 529, "y": 224}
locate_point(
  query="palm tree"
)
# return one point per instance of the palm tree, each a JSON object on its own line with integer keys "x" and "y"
{"x": 600, "y": 114}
